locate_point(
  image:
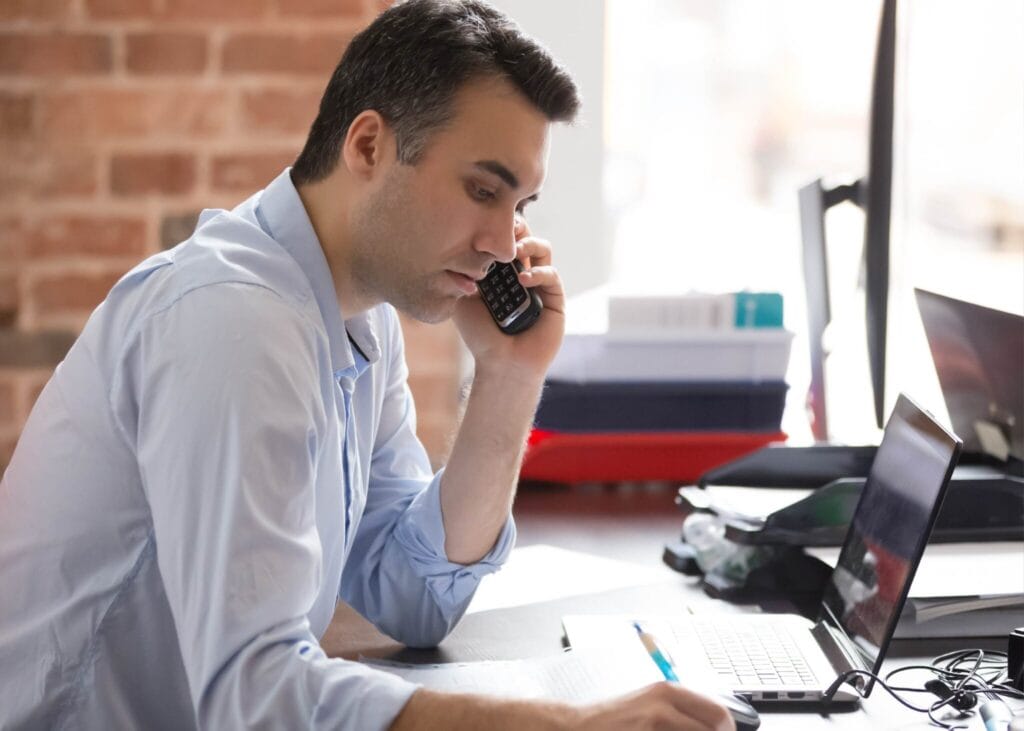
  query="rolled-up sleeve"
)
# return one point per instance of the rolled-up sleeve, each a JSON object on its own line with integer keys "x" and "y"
{"x": 226, "y": 432}
{"x": 404, "y": 582}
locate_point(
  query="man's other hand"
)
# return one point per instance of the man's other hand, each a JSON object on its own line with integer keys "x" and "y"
{"x": 658, "y": 707}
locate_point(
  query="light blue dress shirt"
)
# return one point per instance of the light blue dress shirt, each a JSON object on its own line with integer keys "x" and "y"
{"x": 218, "y": 459}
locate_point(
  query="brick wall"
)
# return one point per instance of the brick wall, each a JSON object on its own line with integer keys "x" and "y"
{"x": 119, "y": 121}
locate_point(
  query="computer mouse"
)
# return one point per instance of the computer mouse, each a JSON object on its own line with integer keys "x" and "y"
{"x": 743, "y": 714}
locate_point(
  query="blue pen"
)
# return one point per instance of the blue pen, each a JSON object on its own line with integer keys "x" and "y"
{"x": 995, "y": 714}
{"x": 661, "y": 659}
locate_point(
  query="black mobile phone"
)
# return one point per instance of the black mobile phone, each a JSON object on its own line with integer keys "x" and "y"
{"x": 513, "y": 306}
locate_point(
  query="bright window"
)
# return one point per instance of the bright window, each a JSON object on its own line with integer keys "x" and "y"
{"x": 717, "y": 111}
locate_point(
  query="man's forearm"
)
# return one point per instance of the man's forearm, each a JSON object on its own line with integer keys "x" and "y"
{"x": 479, "y": 480}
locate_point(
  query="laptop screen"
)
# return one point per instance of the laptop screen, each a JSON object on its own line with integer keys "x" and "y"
{"x": 977, "y": 353}
{"x": 889, "y": 529}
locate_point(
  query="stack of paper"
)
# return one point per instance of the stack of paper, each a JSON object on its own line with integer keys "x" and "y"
{"x": 961, "y": 590}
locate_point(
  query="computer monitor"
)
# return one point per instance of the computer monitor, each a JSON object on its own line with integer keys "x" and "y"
{"x": 873, "y": 193}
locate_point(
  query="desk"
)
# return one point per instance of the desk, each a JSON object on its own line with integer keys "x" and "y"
{"x": 626, "y": 524}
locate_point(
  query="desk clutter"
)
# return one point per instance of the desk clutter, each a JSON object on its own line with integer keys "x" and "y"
{"x": 971, "y": 579}
{"x": 751, "y": 544}
{"x": 661, "y": 388}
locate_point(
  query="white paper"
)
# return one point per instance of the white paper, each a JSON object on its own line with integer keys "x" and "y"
{"x": 572, "y": 677}
{"x": 961, "y": 569}
{"x": 542, "y": 573}
{"x": 754, "y": 501}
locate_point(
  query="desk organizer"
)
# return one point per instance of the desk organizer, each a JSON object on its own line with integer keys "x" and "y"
{"x": 633, "y": 406}
{"x": 750, "y": 354}
{"x": 608, "y": 457}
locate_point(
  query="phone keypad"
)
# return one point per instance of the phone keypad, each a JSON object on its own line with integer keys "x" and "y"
{"x": 501, "y": 289}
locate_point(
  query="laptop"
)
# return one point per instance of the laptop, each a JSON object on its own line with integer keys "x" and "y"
{"x": 786, "y": 657}
{"x": 977, "y": 353}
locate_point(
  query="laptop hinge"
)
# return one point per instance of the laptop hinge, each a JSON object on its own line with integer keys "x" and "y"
{"x": 841, "y": 653}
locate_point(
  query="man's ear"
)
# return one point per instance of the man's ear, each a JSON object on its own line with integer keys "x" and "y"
{"x": 367, "y": 144}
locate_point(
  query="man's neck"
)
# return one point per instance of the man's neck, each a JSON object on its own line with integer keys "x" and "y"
{"x": 327, "y": 206}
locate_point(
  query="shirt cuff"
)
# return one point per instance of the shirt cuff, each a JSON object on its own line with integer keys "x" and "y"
{"x": 381, "y": 697}
{"x": 421, "y": 534}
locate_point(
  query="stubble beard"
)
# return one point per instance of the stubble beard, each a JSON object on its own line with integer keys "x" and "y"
{"x": 382, "y": 268}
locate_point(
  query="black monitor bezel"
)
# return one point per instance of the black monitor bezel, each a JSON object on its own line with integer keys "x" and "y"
{"x": 873, "y": 194}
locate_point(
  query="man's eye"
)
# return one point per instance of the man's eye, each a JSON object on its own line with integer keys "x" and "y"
{"x": 481, "y": 194}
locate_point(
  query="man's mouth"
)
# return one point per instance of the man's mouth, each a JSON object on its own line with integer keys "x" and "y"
{"x": 464, "y": 282}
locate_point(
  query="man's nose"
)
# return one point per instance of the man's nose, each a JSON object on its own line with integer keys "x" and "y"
{"x": 499, "y": 239}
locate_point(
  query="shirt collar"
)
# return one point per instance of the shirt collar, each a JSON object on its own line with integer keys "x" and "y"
{"x": 281, "y": 213}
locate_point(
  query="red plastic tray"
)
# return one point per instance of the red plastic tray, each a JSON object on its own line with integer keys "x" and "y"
{"x": 606, "y": 457}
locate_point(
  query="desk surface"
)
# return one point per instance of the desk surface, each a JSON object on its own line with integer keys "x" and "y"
{"x": 621, "y": 523}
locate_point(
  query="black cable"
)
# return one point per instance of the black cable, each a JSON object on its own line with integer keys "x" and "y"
{"x": 930, "y": 710}
{"x": 959, "y": 678}
{"x": 998, "y": 684}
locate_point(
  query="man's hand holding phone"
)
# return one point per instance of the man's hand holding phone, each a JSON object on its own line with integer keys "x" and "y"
{"x": 530, "y": 350}
{"x": 513, "y": 306}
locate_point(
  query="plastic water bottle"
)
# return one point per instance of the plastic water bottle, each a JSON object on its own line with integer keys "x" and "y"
{"x": 705, "y": 533}
{"x": 715, "y": 553}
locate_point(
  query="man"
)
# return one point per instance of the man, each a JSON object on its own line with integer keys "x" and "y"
{"x": 230, "y": 445}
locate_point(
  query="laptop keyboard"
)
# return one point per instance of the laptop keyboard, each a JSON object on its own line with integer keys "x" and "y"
{"x": 744, "y": 655}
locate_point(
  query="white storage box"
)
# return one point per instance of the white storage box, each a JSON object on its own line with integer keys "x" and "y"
{"x": 752, "y": 354}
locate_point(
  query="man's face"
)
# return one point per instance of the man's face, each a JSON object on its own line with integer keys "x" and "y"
{"x": 428, "y": 230}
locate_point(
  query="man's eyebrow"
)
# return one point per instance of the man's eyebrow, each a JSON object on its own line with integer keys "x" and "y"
{"x": 496, "y": 168}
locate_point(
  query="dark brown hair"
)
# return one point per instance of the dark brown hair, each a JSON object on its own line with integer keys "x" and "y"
{"x": 408, "y": 65}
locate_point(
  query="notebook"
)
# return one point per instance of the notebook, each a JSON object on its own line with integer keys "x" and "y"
{"x": 786, "y": 657}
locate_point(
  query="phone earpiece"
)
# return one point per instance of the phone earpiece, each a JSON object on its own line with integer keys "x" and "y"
{"x": 963, "y": 700}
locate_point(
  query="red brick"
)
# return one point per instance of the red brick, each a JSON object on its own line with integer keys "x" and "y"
{"x": 33, "y": 9}
{"x": 47, "y": 172}
{"x": 11, "y": 239}
{"x": 297, "y": 53}
{"x": 117, "y": 114}
{"x": 7, "y": 450}
{"x": 71, "y": 293}
{"x": 215, "y": 9}
{"x": 71, "y": 174}
{"x": 248, "y": 172}
{"x": 8, "y": 412}
{"x": 324, "y": 8}
{"x": 176, "y": 227}
{"x": 16, "y": 114}
{"x": 34, "y": 386}
{"x": 8, "y": 299}
{"x": 120, "y": 9}
{"x": 140, "y": 174}
{"x": 280, "y": 110}
{"x": 53, "y": 54}
{"x": 94, "y": 236}
{"x": 33, "y": 349}
{"x": 165, "y": 53}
